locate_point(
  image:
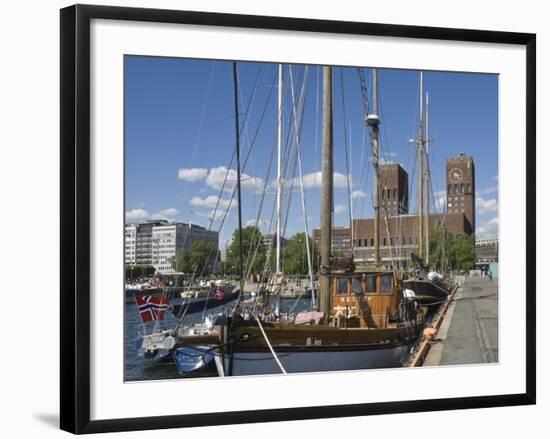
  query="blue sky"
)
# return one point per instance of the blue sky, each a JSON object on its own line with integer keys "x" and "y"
{"x": 180, "y": 137}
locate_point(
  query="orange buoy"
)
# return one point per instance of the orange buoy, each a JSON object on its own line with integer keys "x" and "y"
{"x": 429, "y": 333}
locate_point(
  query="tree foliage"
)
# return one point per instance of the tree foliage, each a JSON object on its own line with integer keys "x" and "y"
{"x": 199, "y": 260}
{"x": 462, "y": 253}
{"x": 137, "y": 271}
{"x": 254, "y": 252}
{"x": 295, "y": 255}
{"x": 450, "y": 252}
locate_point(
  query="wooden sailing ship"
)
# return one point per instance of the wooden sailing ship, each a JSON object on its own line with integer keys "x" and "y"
{"x": 364, "y": 320}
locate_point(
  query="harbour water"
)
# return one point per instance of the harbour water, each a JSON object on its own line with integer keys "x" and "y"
{"x": 138, "y": 368}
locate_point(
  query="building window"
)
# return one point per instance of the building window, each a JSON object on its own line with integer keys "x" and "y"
{"x": 384, "y": 242}
{"x": 372, "y": 242}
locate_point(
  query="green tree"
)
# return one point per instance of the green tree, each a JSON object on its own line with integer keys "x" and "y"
{"x": 183, "y": 262}
{"x": 295, "y": 256}
{"x": 462, "y": 254}
{"x": 450, "y": 252}
{"x": 252, "y": 242}
{"x": 201, "y": 258}
{"x": 137, "y": 271}
{"x": 440, "y": 243}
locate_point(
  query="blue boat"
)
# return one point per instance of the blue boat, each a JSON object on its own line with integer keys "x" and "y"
{"x": 193, "y": 359}
{"x": 206, "y": 303}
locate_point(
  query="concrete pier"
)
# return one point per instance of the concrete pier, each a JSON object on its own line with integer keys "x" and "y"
{"x": 469, "y": 332}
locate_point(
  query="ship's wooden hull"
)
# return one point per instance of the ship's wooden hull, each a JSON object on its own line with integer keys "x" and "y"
{"x": 298, "y": 359}
{"x": 307, "y": 348}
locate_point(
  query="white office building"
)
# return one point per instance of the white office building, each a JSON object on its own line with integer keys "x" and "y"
{"x": 130, "y": 238}
{"x": 157, "y": 243}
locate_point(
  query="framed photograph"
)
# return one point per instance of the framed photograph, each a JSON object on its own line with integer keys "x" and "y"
{"x": 276, "y": 218}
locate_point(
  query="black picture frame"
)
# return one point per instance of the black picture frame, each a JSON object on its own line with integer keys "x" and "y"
{"x": 75, "y": 217}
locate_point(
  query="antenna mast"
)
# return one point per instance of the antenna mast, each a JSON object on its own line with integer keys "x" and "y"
{"x": 238, "y": 154}
{"x": 421, "y": 172}
{"x": 279, "y": 164}
{"x": 427, "y": 215}
{"x": 373, "y": 121}
{"x": 326, "y": 196}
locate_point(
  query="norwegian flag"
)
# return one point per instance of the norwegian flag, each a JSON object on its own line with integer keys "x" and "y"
{"x": 219, "y": 293}
{"x": 151, "y": 308}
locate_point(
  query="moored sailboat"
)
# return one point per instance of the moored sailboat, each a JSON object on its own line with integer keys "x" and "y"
{"x": 364, "y": 320}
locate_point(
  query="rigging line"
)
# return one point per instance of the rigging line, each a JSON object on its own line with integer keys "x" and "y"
{"x": 245, "y": 161}
{"x": 363, "y": 178}
{"x": 347, "y": 153}
{"x": 385, "y": 146}
{"x": 247, "y": 113}
{"x": 243, "y": 127}
{"x": 199, "y": 132}
{"x": 213, "y": 217}
{"x": 316, "y": 118}
{"x": 298, "y": 153}
{"x": 203, "y": 113}
{"x": 301, "y": 101}
{"x": 238, "y": 155}
{"x": 267, "y": 263}
{"x": 250, "y": 263}
{"x": 289, "y": 165}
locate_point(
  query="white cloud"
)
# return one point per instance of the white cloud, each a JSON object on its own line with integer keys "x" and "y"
{"x": 488, "y": 190}
{"x": 211, "y": 202}
{"x": 261, "y": 223}
{"x": 314, "y": 180}
{"x": 488, "y": 229}
{"x": 171, "y": 212}
{"x": 486, "y": 206}
{"x": 217, "y": 176}
{"x": 142, "y": 214}
{"x": 385, "y": 160}
{"x": 137, "y": 215}
{"x": 192, "y": 174}
{"x": 358, "y": 194}
{"x": 440, "y": 198}
{"x": 339, "y": 208}
{"x": 216, "y": 215}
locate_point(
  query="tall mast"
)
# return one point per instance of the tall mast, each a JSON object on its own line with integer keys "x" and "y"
{"x": 238, "y": 154}
{"x": 326, "y": 196}
{"x": 427, "y": 213}
{"x": 373, "y": 120}
{"x": 421, "y": 172}
{"x": 279, "y": 164}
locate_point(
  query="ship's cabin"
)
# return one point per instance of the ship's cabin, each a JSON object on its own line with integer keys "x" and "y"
{"x": 365, "y": 300}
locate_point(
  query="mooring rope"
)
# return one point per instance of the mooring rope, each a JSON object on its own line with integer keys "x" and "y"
{"x": 270, "y": 347}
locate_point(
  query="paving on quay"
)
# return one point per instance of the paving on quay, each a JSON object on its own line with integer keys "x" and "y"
{"x": 469, "y": 332}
